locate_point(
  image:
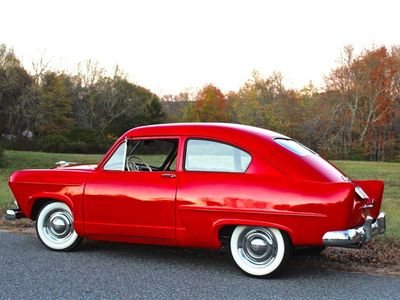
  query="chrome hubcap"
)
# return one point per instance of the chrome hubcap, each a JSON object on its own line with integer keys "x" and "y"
{"x": 58, "y": 226}
{"x": 257, "y": 246}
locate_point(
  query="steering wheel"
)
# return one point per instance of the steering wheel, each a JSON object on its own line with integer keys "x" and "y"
{"x": 133, "y": 166}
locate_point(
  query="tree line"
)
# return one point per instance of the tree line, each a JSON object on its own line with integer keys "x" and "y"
{"x": 55, "y": 111}
{"x": 355, "y": 115}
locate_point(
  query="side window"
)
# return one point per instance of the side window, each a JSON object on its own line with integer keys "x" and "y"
{"x": 151, "y": 155}
{"x": 212, "y": 156}
{"x": 117, "y": 160}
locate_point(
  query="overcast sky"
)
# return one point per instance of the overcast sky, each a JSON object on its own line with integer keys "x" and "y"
{"x": 169, "y": 46}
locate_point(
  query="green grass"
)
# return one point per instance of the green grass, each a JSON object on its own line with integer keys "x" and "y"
{"x": 388, "y": 172}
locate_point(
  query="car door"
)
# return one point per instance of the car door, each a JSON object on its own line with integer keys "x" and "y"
{"x": 213, "y": 180}
{"x": 133, "y": 193}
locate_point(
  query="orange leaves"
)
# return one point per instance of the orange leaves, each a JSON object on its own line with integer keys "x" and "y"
{"x": 366, "y": 88}
{"x": 210, "y": 106}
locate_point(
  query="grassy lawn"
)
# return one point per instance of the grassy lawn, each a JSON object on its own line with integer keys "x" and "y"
{"x": 389, "y": 172}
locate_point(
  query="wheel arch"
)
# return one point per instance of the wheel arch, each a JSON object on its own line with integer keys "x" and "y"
{"x": 222, "y": 229}
{"x": 39, "y": 200}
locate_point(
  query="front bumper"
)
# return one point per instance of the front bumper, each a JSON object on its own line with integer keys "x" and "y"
{"x": 356, "y": 236}
{"x": 14, "y": 213}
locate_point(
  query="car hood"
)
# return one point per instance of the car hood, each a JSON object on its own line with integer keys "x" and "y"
{"x": 60, "y": 176}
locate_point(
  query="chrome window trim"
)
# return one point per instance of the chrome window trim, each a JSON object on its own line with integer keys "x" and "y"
{"x": 125, "y": 150}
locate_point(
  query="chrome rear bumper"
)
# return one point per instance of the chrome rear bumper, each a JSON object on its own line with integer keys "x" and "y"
{"x": 356, "y": 236}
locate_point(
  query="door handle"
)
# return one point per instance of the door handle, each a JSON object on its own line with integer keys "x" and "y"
{"x": 168, "y": 175}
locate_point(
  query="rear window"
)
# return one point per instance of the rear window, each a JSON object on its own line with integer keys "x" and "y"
{"x": 294, "y": 146}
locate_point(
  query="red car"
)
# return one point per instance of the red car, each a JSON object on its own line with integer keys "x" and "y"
{"x": 203, "y": 185}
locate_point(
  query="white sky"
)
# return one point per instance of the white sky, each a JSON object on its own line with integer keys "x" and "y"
{"x": 169, "y": 46}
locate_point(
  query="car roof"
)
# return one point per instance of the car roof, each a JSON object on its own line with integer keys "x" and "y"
{"x": 225, "y": 131}
{"x": 249, "y": 138}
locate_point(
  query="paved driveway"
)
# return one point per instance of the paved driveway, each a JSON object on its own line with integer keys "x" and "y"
{"x": 109, "y": 270}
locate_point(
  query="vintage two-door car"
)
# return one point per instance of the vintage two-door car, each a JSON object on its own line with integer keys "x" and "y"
{"x": 203, "y": 185}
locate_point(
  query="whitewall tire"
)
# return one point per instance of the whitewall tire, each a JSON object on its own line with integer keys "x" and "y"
{"x": 55, "y": 227}
{"x": 260, "y": 251}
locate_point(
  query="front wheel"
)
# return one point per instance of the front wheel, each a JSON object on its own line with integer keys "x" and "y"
{"x": 260, "y": 251}
{"x": 55, "y": 227}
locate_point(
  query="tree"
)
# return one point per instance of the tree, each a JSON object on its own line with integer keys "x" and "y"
{"x": 366, "y": 87}
{"x": 153, "y": 110}
{"x": 111, "y": 105}
{"x": 265, "y": 102}
{"x": 54, "y": 113}
{"x": 1, "y": 155}
{"x": 144, "y": 108}
{"x": 176, "y": 106}
{"x": 210, "y": 105}
{"x": 98, "y": 99}
{"x": 15, "y": 93}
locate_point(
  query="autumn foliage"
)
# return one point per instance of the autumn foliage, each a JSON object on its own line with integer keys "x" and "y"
{"x": 354, "y": 115}
{"x": 367, "y": 91}
{"x": 210, "y": 105}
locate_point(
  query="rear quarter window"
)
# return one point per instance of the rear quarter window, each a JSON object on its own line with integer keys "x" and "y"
{"x": 294, "y": 146}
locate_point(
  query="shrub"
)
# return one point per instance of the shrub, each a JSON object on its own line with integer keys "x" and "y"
{"x": 76, "y": 141}
{"x": 88, "y": 141}
{"x": 52, "y": 143}
{"x": 20, "y": 143}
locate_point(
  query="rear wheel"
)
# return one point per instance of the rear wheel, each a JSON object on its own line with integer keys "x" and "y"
{"x": 260, "y": 251}
{"x": 55, "y": 227}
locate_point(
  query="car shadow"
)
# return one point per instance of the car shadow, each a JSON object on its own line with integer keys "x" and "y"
{"x": 200, "y": 259}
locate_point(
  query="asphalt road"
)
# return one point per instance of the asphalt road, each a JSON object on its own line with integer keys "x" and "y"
{"x": 99, "y": 270}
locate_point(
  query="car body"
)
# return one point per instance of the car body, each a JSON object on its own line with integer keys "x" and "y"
{"x": 201, "y": 185}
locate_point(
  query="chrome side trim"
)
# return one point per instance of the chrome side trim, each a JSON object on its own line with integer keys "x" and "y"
{"x": 356, "y": 236}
